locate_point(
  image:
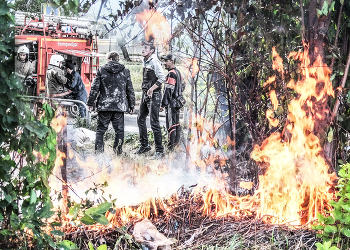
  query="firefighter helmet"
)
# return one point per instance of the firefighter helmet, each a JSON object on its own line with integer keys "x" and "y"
{"x": 23, "y": 49}
{"x": 56, "y": 59}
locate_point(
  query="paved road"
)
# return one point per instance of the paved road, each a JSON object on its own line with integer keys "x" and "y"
{"x": 130, "y": 122}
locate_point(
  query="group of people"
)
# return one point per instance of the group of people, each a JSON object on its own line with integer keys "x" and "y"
{"x": 112, "y": 94}
{"x": 62, "y": 81}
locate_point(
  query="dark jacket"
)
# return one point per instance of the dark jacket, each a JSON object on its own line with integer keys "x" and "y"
{"x": 152, "y": 74}
{"x": 75, "y": 84}
{"x": 173, "y": 88}
{"x": 112, "y": 87}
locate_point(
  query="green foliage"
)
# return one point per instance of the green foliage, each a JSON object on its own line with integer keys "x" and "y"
{"x": 326, "y": 246}
{"x": 335, "y": 228}
{"x": 25, "y": 201}
{"x": 67, "y": 245}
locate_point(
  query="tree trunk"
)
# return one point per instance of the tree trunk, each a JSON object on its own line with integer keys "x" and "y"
{"x": 317, "y": 29}
{"x": 125, "y": 52}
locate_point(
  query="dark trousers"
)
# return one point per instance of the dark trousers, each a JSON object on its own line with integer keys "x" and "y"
{"x": 150, "y": 106}
{"x": 82, "y": 97}
{"x": 117, "y": 119}
{"x": 173, "y": 126}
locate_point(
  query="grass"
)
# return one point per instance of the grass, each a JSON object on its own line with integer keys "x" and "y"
{"x": 136, "y": 75}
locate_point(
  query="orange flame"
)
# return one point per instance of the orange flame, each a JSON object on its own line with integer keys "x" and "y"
{"x": 274, "y": 99}
{"x": 156, "y": 25}
{"x": 277, "y": 63}
{"x": 195, "y": 67}
{"x": 273, "y": 121}
{"x": 59, "y": 122}
{"x": 296, "y": 185}
{"x": 270, "y": 80}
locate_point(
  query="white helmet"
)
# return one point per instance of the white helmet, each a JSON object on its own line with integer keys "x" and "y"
{"x": 23, "y": 49}
{"x": 56, "y": 59}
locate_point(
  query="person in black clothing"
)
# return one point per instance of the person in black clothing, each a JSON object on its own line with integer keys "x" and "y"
{"x": 112, "y": 87}
{"x": 77, "y": 86}
{"x": 173, "y": 88}
{"x": 153, "y": 78}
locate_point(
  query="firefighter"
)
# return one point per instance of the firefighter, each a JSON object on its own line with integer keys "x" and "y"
{"x": 153, "y": 78}
{"x": 56, "y": 81}
{"x": 24, "y": 69}
{"x": 112, "y": 87}
{"x": 77, "y": 86}
{"x": 172, "y": 90}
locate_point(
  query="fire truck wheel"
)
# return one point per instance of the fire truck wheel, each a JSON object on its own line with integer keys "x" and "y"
{"x": 73, "y": 111}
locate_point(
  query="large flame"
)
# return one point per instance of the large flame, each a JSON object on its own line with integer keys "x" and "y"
{"x": 296, "y": 184}
{"x": 155, "y": 25}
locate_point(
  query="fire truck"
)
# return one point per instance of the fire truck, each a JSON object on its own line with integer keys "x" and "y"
{"x": 45, "y": 35}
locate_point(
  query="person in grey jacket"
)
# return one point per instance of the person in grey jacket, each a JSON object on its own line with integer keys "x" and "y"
{"x": 114, "y": 95}
{"x": 153, "y": 78}
{"x": 77, "y": 86}
{"x": 56, "y": 81}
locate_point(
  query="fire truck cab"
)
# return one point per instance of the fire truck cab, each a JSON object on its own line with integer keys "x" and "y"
{"x": 46, "y": 35}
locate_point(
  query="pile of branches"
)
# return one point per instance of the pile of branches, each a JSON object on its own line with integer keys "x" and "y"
{"x": 184, "y": 221}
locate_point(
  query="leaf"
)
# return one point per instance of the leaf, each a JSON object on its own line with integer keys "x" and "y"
{"x": 74, "y": 211}
{"x": 37, "y": 128}
{"x": 87, "y": 220}
{"x": 329, "y": 220}
{"x": 102, "y": 247}
{"x": 103, "y": 208}
{"x": 341, "y": 2}
{"x": 101, "y": 219}
{"x": 57, "y": 232}
{"x": 342, "y": 172}
{"x": 337, "y": 214}
{"x": 66, "y": 245}
{"x": 319, "y": 246}
{"x": 56, "y": 224}
{"x": 48, "y": 238}
{"x": 91, "y": 247}
{"x": 346, "y": 232}
{"x": 4, "y": 10}
{"x": 32, "y": 197}
{"x": 320, "y": 217}
{"x": 332, "y": 77}
{"x": 6, "y": 232}
{"x": 318, "y": 227}
{"x": 91, "y": 211}
{"x": 330, "y": 229}
{"x": 14, "y": 221}
{"x": 325, "y": 8}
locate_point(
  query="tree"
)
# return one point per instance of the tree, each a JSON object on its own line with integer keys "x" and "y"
{"x": 25, "y": 202}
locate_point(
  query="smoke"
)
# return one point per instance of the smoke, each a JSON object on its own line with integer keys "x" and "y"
{"x": 130, "y": 181}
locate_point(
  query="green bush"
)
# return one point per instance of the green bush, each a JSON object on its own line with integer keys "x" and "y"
{"x": 25, "y": 203}
{"x": 335, "y": 228}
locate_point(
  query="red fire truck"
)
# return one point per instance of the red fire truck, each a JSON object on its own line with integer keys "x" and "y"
{"x": 45, "y": 35}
